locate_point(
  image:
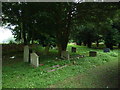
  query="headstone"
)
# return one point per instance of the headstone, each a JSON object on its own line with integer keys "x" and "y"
{"x": 26, "y": 53}
{"x": 92, "y": 53}
{"x": 73, "y": 49}
{"x": 65, "y": 55}
{"x": 106, "y": 50}
{"x": 74, "y": 62}
{"x": 34, "y": 59}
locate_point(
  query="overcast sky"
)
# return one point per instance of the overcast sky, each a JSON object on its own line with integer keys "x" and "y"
{"x": 5, "y": 35}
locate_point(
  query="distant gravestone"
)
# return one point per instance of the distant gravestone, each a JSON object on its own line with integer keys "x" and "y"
{"x": 26, "y": 53}
{"x": 34, "y": 59}
{"x": 65, "y": 55}
{"x": 92, "y": 53}
{"x": 73, "y": 49}
{"x": 106, "y": 50}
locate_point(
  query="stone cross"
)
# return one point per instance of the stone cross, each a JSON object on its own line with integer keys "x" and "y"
{"x": 34, "y": 59}
{"x": 26, "y": 53}
{"x": 73, "y": 49}
{"x": 65, "y": 55}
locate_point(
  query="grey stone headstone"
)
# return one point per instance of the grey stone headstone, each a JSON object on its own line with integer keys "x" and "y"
{"x": 26, "y": 53}
{"x": 106, "y": 50}
{"x": 34, "y": 58}
{"x": 65, "y": 55}
{"x": 73, "y": 49}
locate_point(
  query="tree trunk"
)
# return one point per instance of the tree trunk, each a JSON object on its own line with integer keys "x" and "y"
{"x": 63, "y": 33}
{"x": 119, "y": 46}
{"x": 59, "y": 49}
{"x": 62, "y": 45}
{"x": 24, "y": 37}
{"x": 32, "y": 41}
{"x": 89, "y": 44}
{"x": 62, "y": 40}
{"x": 97, "y": 43}
{"x": 21, "y": 27}
{"x": 84, "y": 43}
{"x": 23, "y": 34}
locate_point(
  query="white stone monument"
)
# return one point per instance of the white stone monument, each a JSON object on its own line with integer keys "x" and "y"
{"x": 26, "y": 53}
{"x": 65, "y": 55}
{"x": 34, "y": 58}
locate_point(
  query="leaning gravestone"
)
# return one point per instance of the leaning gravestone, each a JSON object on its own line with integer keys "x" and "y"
{"x": 92, "y": 53}
{"x": 26, "y": 53}
{"x": 73, "y": 49}
{"x": 65, "y": 55}
{"x": 34, "y": 59}
{"x": 106, "y": 50}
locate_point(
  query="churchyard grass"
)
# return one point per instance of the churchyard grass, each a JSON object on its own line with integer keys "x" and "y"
{"x": 18, "y": 74}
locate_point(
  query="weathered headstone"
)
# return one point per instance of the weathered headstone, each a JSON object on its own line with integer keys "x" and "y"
{"x": 34, "y": 59}
{"x": 26, "y": 53}
{"x": 106, "y": 50}
{"x": 73, "y": 49}
{"x": 92, "y": 53}
{"x": 65, "y": 55}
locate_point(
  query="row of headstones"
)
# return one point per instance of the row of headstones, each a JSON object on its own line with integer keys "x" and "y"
{"x": 65, "y": 54}
{"x": 33, "y": 57}
{"x": 73, "y": 49}
{"x": 94, "y": 53}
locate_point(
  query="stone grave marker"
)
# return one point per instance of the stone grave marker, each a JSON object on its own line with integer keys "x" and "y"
{"x": 92, "y": 53}
{"x": 34, "y": 58}
{"x": 65, "y": 55}
{"x": 106, "y": 50}
{"x": 73, "y": 49}
{"x": 26, "y": 53}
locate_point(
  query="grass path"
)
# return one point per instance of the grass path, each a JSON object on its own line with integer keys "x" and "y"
{"x": 104, "y": 76}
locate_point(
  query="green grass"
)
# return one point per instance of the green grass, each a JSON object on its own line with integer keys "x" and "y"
{"x": 104, "y": 76}
{"x": 17, "y": 74}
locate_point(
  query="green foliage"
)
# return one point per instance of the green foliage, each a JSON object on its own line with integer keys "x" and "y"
{"x": 110, "y": 34}
{"x": 12, "y": 42}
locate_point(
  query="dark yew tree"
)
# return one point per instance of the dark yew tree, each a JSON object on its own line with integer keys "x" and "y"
{"x": 54, "y": 19}
{"x": 32, "y": 19}
{"x": 110, "y": 34}
{"x": 116, "y": 25}
{"x": 65, "y": 14}
{"x": 86, "y": 34}
{"x": 18, "y": 14}
{"x": 96, "y": 13}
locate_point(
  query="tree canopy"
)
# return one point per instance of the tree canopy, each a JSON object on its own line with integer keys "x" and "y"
{"x": 42, "y": 21}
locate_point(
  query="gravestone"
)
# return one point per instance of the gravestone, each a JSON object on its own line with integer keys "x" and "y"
{"x": 34, "y": 59}
{"x": 106, "y": 50}
{"x": 92, "y": 53}
{"x": 26, "y": 53}
{"x": 65, "y": 55}
{"x": 73, "y": 49}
